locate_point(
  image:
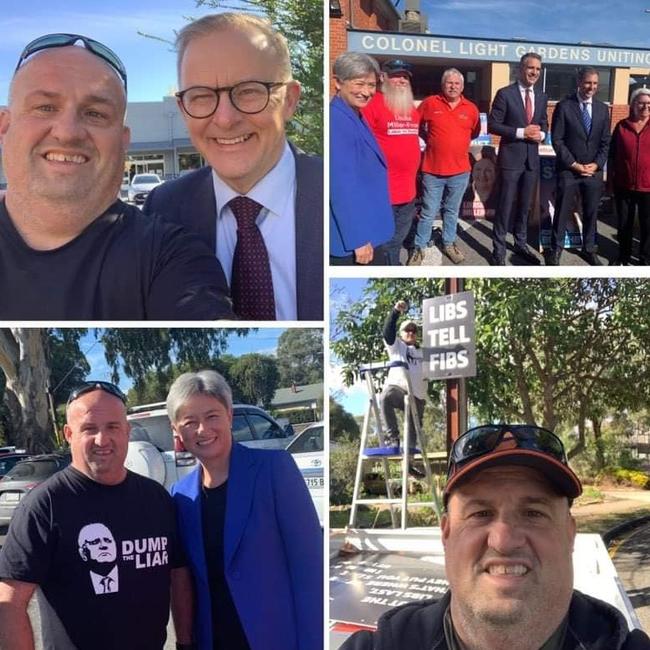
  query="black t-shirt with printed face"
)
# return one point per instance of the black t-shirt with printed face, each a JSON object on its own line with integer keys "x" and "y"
{"x": 102, "y": 556}
{"x": 124, "y": 266}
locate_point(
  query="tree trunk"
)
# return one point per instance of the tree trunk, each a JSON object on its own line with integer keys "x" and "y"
{"x": 23, "y": 361}
{"x": 600, "y": 445}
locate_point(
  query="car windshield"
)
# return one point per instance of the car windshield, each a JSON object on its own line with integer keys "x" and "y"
{"x": 32, "y": 470}
{"x": 154, "y": 429}
{"x": 7, "y": 463}
{"x": 310, "y": 439}
{"x": 146, "y": 178}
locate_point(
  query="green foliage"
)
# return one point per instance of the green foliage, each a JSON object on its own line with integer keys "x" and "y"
{"x": 301, "y": 22}
{"x": 68, "y": 364}
{"x": 633, "y": 478}
{"x": 300, "y": 356}
{"x": 343, "y": 466}
{"x": 254, "y": 379}
{"x": 343, "y": 426}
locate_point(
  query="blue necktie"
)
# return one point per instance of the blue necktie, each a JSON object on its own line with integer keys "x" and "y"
{"x": 586, "y": 118}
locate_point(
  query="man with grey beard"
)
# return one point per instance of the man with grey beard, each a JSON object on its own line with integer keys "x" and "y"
{"x": 395, "y": 122}
{"x": 508, "y": 536}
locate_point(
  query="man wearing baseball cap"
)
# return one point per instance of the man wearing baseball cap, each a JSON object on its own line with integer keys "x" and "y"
{"x": 508, "y": 535}
{"x": 395, "y": 123}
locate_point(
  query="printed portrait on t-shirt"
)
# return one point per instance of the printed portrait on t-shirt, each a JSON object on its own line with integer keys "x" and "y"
{"x": 97, "y": 547}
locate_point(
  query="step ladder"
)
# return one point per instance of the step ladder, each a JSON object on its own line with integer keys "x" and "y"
{"x": 373, "y": 414}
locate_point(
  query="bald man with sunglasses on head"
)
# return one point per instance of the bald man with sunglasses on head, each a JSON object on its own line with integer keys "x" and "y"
{"x": 99, "y": 541}
{"x": 69, "y": 249}
{"x": 508, "y": 537}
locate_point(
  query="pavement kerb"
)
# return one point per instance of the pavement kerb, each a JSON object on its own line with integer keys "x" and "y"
{"x": 611, "y": 534}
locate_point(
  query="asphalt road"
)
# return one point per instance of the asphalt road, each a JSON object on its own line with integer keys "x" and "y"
{"x": 631, "y": 557}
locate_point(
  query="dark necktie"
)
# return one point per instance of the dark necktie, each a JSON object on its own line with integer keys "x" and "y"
{"x": 106, "y": 582}
{"x": 251, "y": 283}
{"x": 586, "y": 118}
{"x": 529, "y": 106}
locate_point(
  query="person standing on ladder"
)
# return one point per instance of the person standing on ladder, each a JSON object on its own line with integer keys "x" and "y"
{"x": 404, "y": 348}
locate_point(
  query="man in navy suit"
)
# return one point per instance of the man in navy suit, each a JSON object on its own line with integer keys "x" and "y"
{"x": 237, "y": 93}
{"x": 580, "y": 134}
{"x": 518, "y": 115}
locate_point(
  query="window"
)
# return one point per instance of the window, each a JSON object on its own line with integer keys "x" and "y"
{"x": 263, "y": 428}
{"x": 241, "y": 432}
{"x": 154, "y": 429}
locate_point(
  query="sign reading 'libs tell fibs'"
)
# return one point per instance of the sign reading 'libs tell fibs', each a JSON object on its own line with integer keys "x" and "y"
{"x": 448, "y": 341}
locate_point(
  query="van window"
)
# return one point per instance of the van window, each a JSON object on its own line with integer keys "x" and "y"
{"x": 154, "y": 429}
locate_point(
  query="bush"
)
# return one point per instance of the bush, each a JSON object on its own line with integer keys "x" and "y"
{"x": 343, "y": 466}
{"x": 633, "y": 478}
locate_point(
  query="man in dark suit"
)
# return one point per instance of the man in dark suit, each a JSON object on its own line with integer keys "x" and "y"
{"x": 518, "y": 116}
{"x": 580, "y": 134}
{"x": 259, "y": 204}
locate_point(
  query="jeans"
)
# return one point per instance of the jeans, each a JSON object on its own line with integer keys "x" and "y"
{"x": 440, "y": 190}
{"x": 404, "y": 213}
{"x": 392, "y": 398}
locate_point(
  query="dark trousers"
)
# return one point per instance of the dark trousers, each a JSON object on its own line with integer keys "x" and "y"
{"x": 392, "y": 399}
{"x": 627, "y": 205}
{"x": 379, "y": 258}
{"x": 517, "y": 186}
{"x": 404, "y": 213}
{"x": 589, "y": 188}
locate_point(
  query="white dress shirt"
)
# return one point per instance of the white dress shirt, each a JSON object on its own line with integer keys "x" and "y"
{"x": 276, "y": 192}
{"x": 522, "y": 92}
{"x": 106, "y": 584}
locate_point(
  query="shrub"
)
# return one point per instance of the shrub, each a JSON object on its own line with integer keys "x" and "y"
{"x": 343, "y": 466}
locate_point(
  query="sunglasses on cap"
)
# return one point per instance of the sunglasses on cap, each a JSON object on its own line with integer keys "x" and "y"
{"x": 63, "y": 40}
{"x": 485, "y": 439}
{"x": 397, "y": 65}
{"x": 90, "y": 386}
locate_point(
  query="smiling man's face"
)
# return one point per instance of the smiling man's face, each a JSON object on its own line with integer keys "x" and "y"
{"x": 508, "y": 541}
{"x": 240, "y": 148}
{"x": 63, "y": 138}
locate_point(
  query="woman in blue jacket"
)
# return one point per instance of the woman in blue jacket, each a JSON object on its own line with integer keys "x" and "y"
{"x": 249, "y": 530}
{"x": 361, "y": 217}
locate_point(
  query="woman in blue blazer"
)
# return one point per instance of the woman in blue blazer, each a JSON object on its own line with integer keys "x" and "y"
{"x": 249, "y": 530}
{"x": 361, "y": 216}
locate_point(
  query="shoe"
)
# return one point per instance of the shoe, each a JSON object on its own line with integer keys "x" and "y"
{"x": 391, "y": 440}
{"x": 452, "y": 252}
{"x": 552, "y": 258}
{"x": 591, "y": 258}
{"x": 527, "y": 253}
{"x": 415, "y": 472}
{"x": 415, "y": 258}
{"x": 496, "y": 260}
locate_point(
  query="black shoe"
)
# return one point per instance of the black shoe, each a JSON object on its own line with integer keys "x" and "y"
{"x": 591, "y": 258}
{"x": 552, "y": 258}
{"x": 391, "y": 440}
{"x": 415, "y": 472}
{"x": 496, "y": 260}
{"x": 526, "y": 252}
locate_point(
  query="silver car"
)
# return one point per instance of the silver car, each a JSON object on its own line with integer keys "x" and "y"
{"x": 141, "y": 185}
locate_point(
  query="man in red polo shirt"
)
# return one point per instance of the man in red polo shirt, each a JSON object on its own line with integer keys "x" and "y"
{"x": 395, "y": 123}
{"x": 450, "y": 121}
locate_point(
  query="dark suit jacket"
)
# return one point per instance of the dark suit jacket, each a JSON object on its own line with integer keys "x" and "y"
{"x": 273, "y": 551}
{"x": 508, "y": 115}
{"x": 570, "y": 140}
{"x": 190, "y": 201}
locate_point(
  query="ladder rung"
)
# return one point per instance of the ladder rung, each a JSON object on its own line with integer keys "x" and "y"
{"x": 378, "y": 501}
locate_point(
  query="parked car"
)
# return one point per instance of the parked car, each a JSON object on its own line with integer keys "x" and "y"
{"x": 141, "y": 185}
{"x": 307, "y": 451}
{"x": 7, "y": 461}
{"x": 25, "y": 476}
{"x": 156, "y": 453}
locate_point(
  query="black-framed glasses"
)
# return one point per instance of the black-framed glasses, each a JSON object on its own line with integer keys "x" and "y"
{"x": 63, "y": 40}
{"x": 485, "y": 439}
{"x": 249, "y": 97}
{"x": 89, "y": 386}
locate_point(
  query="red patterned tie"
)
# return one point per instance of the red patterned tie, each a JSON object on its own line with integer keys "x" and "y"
{"x": 529, "y": 106}
{"x": 251, "y": 284}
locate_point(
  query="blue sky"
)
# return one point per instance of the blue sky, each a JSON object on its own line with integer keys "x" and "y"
{"x": 263, "y": 341}
{"x": 598, "y": 21}
{"x": 150, "y": 64}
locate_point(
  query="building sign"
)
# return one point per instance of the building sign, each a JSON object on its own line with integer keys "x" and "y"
{"x": 448, "y": 339}
{"x": 449, "y": 47}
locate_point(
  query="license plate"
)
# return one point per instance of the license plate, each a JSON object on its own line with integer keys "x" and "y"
{"x": 10, "y": 497}
{"x": 315, "y": 482}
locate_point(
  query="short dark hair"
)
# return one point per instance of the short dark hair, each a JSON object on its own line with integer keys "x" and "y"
{"x": 529, "y": 55}
{"x": 587, "y": 71}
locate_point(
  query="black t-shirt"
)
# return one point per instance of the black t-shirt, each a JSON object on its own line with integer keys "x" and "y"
{"x": 123, "y": 266}
{"x": 102, "y": 555}
{"x": 227, "y": 631}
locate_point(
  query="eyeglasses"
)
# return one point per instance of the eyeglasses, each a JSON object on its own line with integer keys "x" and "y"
{"x": 485, "y": 439}
{"x": 90, "y": 386}
{"x": 249, "y": 97}
{"x": 644, "y": 107}
{"x": 63, "y": 40}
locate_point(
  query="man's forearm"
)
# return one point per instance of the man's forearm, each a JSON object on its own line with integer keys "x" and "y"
{"x": 182, "y": 601}
{"x": 15, "y": 628}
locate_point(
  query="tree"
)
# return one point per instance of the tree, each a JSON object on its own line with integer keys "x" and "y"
{"x": 342, "y": 424}
{"x": 300, "y": 356}
{"x": 255, "y": 378}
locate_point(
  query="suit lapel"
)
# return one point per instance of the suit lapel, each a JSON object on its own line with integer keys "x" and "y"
{"x": 362, "y": 126}
{"x": 194, "y": 523}
{"x": 516, "y": 98}
{"x": 242, "y": 477}
{"x": 201, "y": 209}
